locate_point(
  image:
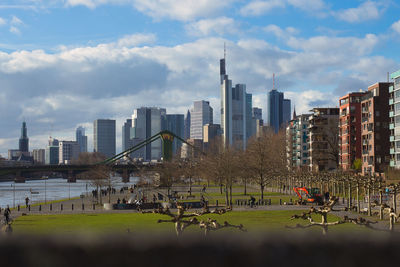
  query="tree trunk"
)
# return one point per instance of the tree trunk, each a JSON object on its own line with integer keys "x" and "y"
{"x": 349, "y": 199}
{"x": 358, "y": 198}
{"x": 190, "y": 185}
{"x": 230, "y": 195}
{"x": 394, "y": 200}
{"x": 380, "y": 203}
{"x": 262, "y": 192}
{"x": 226, "y": 196}
{"x": 369, "y": 200}
{"x": 245, "y": 187}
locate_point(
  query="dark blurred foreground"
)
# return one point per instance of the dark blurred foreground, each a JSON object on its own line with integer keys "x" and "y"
{"x": 238, "y": 250}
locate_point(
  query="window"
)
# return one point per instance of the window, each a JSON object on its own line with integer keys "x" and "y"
{"x": 377, "y": 113}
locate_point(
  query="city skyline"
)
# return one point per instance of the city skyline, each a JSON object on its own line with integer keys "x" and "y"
{"x": 104, "y": 67}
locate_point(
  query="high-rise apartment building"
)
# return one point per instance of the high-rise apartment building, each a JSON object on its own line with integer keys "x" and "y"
{"x": 233, "y": 110}
{"x": 104, "y": 137}
{"x": 375, "y": 129}
{"x": 323, "y": 139}
{"x": 146, "y": 122}
{"x": 279, "y": 110}
{"x": 39, "y": 156}
{"x": 24, "y": 140}
{"x": 201, "y": 114}
{"x": 394, "y": 115}
{"x": 68, "y": 151}
{"x": 350, "y": 129}
{"x": 187, "y": 126}
{"x": 81, "y": 138}
{"x": 175, "y": 124}
{"x": 297, "y": 142}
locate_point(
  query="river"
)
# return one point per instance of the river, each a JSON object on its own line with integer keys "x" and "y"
{"x": 13, "y": 194}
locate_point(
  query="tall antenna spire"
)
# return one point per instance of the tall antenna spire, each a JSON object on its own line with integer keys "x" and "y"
{"x": 273, "y": 80}
{"x": 224, "y": 50}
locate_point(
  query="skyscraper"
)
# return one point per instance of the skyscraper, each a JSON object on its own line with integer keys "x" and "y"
{"x": 68, "y": 151}
{"x": 187, "y": 125}
{"x": 249, "y": 111}
{"x": 278, "y": 110}
{"x": 233, "y": 110}
{"x": 146, "y": 122}
{"x": 201, "y": 114}
{"x": 24, "y": 140}
{"x": 104, "y": 137}
{"x": 126, "y": 135}
{"x": 175, "y": 124}
{"x": 81, "y": 138}
{"x": 52, "y": 152}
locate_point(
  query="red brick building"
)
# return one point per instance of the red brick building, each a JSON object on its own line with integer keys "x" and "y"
{"x": 350, "y": 129}
{"x": 375, "y": 129}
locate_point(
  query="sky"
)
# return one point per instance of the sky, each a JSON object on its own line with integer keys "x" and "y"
{"x": 65, "y": 63}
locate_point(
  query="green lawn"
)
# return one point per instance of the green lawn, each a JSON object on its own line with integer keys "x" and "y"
{"x": 136, "y": 222}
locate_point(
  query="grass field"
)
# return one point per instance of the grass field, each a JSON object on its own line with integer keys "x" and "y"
{"x": 119, "y": 222}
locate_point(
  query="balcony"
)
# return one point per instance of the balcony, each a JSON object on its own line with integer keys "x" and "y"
{"x": 391, "y": 126}
{"x": 365, "y": 152}
{"x": 370, "y": 128}
{"x": 391, "y": 114}
{"x": 391, "y": 102}
{"x": 392, "y": 151}
{"x": 391, "y": 138}
{"x": 390, "y": 89}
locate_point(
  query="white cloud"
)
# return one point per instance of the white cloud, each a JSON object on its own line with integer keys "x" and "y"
{"x": 396, "y": 26}
{"x": 94, "y": 3}
{"x": 308, "y": 5}
{"x": 184, "y": 10}
{"x": 308, "y": 99}
{"x": 15, "y": 30}
{"x": 335, "y": 46}
{"x": 136, "y": 39}
{"x": 257, "y": 8}
{"x": 2, "y": 21}
{"x": 109, "y": 80}
{"x": 16, "y": 21}
{"x": 261, "y": 7}
{"x": 279, "y": 32}
{"x": 368, "y": 10}
{"x": 218, "y": 26}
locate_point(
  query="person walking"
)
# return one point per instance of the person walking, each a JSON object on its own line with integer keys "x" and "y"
{"x": 252, "y": 201}
{"x": 27, "y": 201}
{"x": 7, "y": 213}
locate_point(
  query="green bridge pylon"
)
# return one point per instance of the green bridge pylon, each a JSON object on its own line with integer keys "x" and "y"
{"x": 167, "y": 139}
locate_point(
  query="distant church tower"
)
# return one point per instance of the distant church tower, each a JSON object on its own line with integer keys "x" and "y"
{"x": 24, "y": 140}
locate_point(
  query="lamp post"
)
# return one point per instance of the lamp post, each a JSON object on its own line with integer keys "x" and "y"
{"x": 14, "y": 194}
{"x": 45, "y": 190}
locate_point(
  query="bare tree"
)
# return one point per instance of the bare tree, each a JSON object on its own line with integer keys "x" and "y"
{"x": 265, "y": 158}
{"x": 221, "y": 163}
{"x": 99, "y": 175}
